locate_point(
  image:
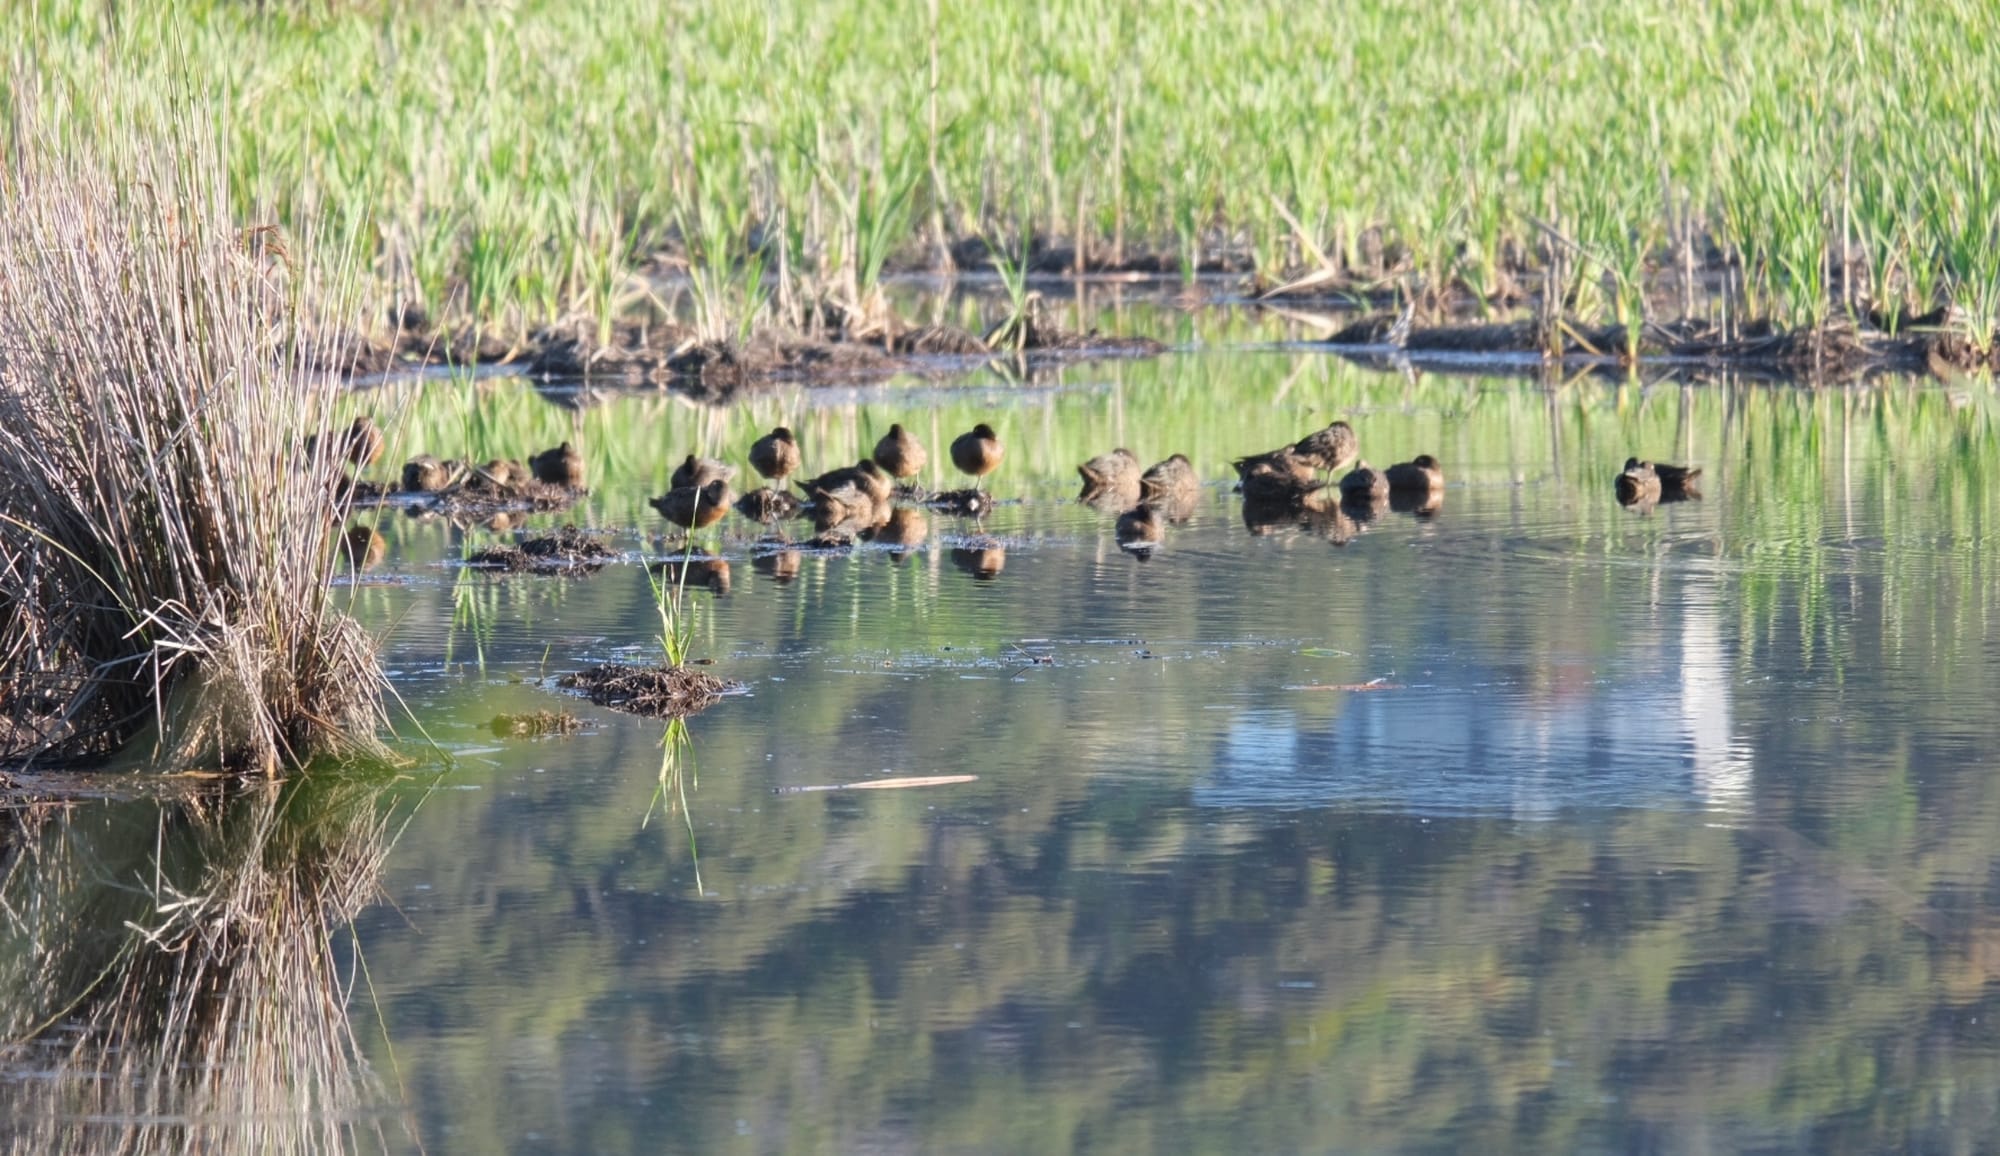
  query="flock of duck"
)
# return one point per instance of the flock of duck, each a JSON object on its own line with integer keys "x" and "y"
{"x": 878, "y": 500}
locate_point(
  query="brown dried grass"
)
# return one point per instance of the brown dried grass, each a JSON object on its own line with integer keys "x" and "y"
{"x": 166, "y": 539}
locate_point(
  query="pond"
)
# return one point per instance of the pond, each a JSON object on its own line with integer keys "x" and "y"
{"x": 1529, "y": 823}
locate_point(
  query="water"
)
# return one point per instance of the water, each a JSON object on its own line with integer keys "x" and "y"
{"x": 1532, "y": 825}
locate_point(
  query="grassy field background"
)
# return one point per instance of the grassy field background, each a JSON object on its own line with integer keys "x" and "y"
{"x": 514, "y": 163}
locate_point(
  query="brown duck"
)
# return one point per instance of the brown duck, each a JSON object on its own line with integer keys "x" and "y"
{"x": 1116, "y": 470}
{"x": 561, "y": 466}
{"x": 696, "y": 507}
{"x": 425, "y": 474}
{"x": 1330, "y": 449}
{"x": 1420, "y": 474}
{"x": 505, "y": 473}
{"x": 977, "y": 453}
{"x": 1276, "y": 477}
{"x": 864, "y": 476}
{"x": 775, "y": 455}
{"x": 1364, "y": 481}
{"x": 701, "y": 471}
{"x": 1673, "y": 479}
{"x": 900, "y": 454}
{"x": 1637, "y": 482}
{"x": 1169, "y": 480}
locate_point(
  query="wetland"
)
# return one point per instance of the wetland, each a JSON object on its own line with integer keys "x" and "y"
{"x": 626, "y": 575}
{"x": 1524, "y": 819}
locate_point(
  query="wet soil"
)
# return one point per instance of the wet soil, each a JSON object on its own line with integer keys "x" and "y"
{"x": 652, "y": 691}
{"x": 1838, "y": 349}
{"x": 651, "y": 353}
{"x": 568, "y": 551}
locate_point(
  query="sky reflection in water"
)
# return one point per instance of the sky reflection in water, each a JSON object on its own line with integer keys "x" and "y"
{"x": 1669, "y": 831}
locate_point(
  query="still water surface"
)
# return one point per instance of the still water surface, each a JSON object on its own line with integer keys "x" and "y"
{"x": 1531, "y": 825}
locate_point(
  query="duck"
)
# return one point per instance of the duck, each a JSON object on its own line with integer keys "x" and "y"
{"x": 1169, "y": 479}
{"x": 1329, "y": 449}
{"x": 425, "y": 474}
{"x": 768, "y": 505}
{"x": 977, "y": 452}
{"x": 696, "y": 507}
{"x": 1420, "y": 474}
{"x": 1637, "y": 482}
{"x": 775, "y": 455}
{"x": 1673, "y": 479}
{"x": 1116, "y": 470}
{"x": 864, "y": 477}
{"x": 1139, "y": 530}
{"x": 1364, "y": 481}
{"x": 901, "y": 454}
{"x": 1276, "y": 477}
{"x": 561, "y": 466}
{"x": 699, "y": 472}
{"x": 506, "y": 473}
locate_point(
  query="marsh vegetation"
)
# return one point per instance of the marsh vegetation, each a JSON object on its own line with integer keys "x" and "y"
{"x": 1796, "y": 164}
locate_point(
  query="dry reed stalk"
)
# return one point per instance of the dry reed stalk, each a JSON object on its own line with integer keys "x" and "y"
{"x": 167, "y": 538}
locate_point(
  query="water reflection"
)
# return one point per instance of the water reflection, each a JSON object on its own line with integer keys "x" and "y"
{"x": 173, "y": 977}
{"x": 1516, "y": 822}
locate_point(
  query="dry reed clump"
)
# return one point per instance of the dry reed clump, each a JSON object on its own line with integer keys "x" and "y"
{"x": 167, "y": 537}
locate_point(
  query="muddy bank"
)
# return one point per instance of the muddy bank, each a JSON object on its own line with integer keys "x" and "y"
{"x": 1838, "y": 349}
{"x": 654, "y": 354}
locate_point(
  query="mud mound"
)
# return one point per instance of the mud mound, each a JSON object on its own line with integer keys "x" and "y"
{"x": 567, "y": 551}
{"x": 653, "y": 691}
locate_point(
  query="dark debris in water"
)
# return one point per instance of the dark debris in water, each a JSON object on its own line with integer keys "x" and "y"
{"x": 567, "y": 551}
{"x": 973, "y": 502}
{"x": 653, "y": 691}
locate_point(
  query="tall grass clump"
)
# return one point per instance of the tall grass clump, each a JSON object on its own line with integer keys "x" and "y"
{"x": 168, "y": 527}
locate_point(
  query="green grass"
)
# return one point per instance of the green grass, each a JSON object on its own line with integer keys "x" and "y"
{"x": 518, "y": 163}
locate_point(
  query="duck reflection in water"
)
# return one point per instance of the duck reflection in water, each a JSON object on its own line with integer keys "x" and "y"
{"x": 776, "y": 560}
{"x": 1318, "y": 514}
{"x": 1140, "y": 531}
{"x": 704, "y": 572}
{"x": 905, "y": 529}
{"x": 982, "y": 559}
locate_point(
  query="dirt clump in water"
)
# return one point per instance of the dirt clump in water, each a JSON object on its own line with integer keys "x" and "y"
{"x": 653, "y": 691}
{"x": 567, "y": 551}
